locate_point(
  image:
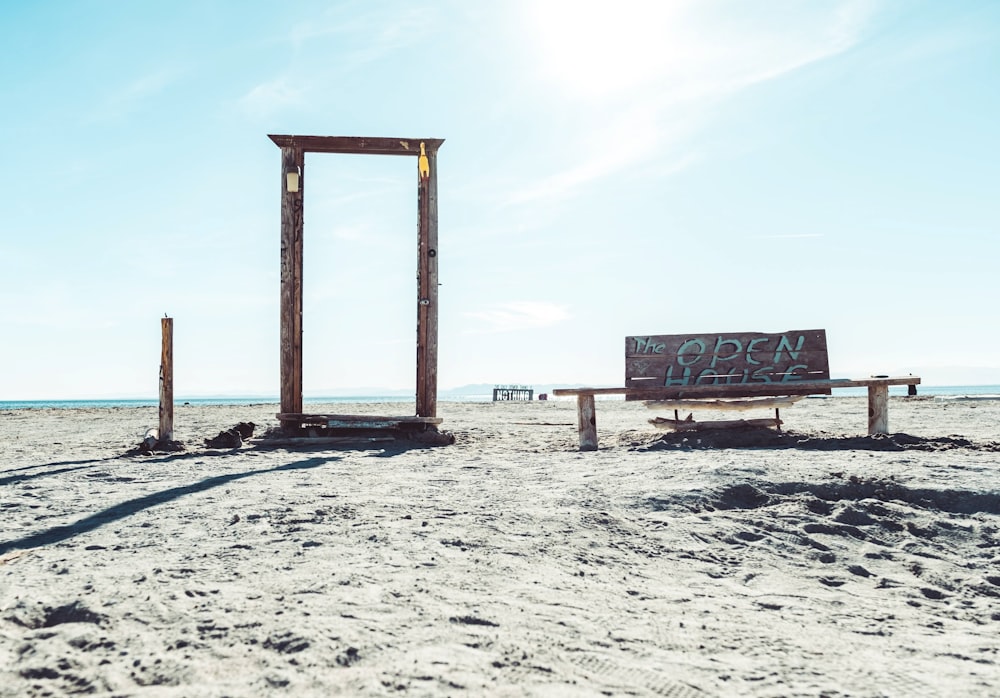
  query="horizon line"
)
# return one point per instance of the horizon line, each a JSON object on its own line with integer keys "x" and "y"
{"x": 388, "y": 392}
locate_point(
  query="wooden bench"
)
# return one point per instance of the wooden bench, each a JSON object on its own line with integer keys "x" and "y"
{"x": 730, "y": 371}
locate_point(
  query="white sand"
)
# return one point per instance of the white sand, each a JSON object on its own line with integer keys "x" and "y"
{"x": 507, "y": 564}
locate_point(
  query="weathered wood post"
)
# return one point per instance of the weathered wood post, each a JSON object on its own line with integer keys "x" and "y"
{"x": 166, "y": 432}
{"x": 586, "y": 422}
{"x": 878, "y": 408}
{"x": 292, "y": 184}
{"x": 427, "y": 282}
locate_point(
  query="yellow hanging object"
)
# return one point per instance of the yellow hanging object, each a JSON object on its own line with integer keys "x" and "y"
{"x": 424, "y": 164}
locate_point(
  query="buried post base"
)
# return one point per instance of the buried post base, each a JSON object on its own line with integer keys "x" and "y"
{"x": 152, "y": 443}
{"x": 339, "y": 428}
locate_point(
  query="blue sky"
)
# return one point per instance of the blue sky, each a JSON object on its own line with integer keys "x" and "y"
{"x": 609, "y": 169}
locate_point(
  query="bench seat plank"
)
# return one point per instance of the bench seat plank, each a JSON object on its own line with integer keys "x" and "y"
{"x": 682, "y": 392}
{"x": 878, "y": 398}
{"x": 707, "y": 404}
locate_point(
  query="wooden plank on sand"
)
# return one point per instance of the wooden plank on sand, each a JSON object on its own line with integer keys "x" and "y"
{"x": 690, "y": 425}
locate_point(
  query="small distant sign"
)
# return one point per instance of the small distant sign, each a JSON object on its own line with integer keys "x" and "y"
{"x": 512, "y": 392}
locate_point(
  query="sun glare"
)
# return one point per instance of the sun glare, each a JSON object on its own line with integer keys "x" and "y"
{"x": 683, "y": 48}
{"x": 596, "y": 49}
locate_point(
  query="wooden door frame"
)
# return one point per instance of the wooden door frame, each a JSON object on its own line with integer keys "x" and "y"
{"x": 293, "y": 150}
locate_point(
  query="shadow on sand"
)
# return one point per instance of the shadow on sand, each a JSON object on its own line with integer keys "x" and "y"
{"x": 132, "y": 506}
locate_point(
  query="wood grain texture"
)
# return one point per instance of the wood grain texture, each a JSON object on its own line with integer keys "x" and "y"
{"x": 357, "y": 145}
{"x": 690, "y": 425}
{"x": 878, "y": 408}
{"x": 291, "y": 282}
{"x": 427, "y": 289}
{"x": 166, "y": 430}
{"x": 353, "y": 419}
{"x": 749, "y": 390}
{"x": 725, "y": 405}
{"x": 725, "y": 358}
{"x": 586, "y": 422}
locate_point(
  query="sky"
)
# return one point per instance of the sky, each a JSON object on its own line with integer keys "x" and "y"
{"x": 609, "y": 169}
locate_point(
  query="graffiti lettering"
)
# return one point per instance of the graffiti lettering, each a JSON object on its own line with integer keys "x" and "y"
{"x": 643, "y": 345}
{"x": 719, "y": 343}
{"x": 783, "y": 344}
{"x": 684, "y": 357}
{"x": 726, "y": 359}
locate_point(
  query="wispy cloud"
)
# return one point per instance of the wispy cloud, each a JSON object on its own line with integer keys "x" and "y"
{"x": 685, "y": 49}
{"x": 565, "y": 184}
{"x": 368, "y": 33}
{"x": 361, "y": 35}
{"x": 517, "y": 315}
{"x": 132, "y": 95}
{"x": 271, "y": 96}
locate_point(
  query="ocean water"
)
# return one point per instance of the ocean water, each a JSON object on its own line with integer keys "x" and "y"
{"x": 926, "y": 390}
{"x": 179, "y": 403}
{"x": 204, "y": 401}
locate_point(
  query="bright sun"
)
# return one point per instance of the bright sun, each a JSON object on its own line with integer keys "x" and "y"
{"x": 681, "y": 48}
{"x": 598, "y": 49}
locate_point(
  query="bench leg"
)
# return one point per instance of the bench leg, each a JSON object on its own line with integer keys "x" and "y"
{"x": 586, "y": 422}
{"x": 878, "y": 409}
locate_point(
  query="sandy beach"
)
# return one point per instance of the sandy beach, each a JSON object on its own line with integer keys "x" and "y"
{"x": 817, "y": 562}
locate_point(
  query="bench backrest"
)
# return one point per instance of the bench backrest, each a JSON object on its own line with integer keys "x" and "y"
{"x": 740, "y": 364}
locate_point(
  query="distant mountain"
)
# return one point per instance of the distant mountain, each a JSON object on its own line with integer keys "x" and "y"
{"x": 956, "y": 375}
{"x": 361, "y": 391}
{"x": 470, "y": 389}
